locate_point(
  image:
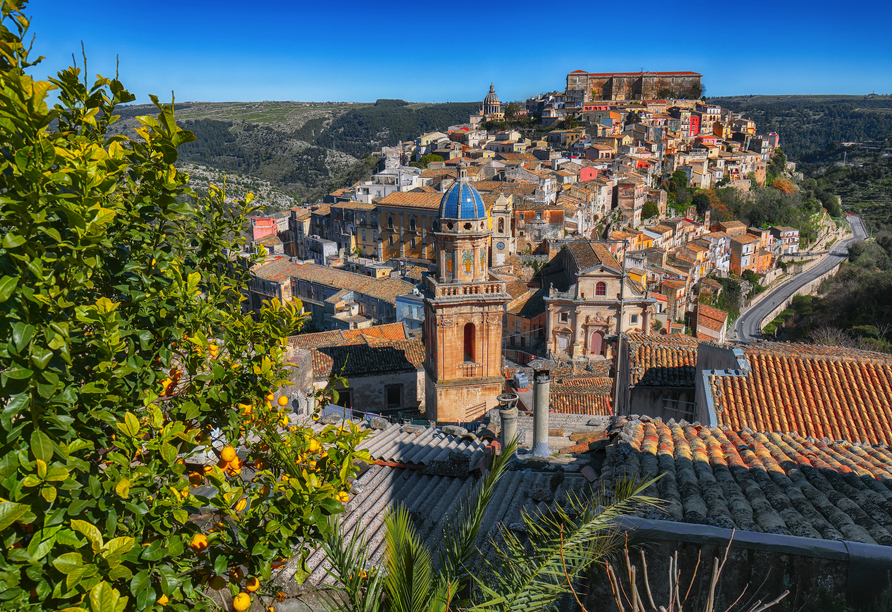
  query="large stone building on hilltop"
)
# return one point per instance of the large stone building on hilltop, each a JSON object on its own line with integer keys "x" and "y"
{"x": 634, "y": 85}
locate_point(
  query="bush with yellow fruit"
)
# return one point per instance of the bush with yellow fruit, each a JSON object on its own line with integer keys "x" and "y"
{"x": 124, "y": 352}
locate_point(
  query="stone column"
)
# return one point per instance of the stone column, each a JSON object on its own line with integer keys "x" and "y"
{"x": 541, "y": 404}
{"x": 508, "y": 414}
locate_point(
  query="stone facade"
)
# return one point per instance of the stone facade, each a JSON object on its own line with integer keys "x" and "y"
{"x": 464, "y": 307}
{"x": 634, "y": 85}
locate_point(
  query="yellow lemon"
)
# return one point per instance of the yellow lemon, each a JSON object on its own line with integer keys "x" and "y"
{"x": 252, "y": 584}
{"x": 241, "y": 504}
{"x": 283, "y": 401}
{"x": 241, "y": 602}
{"x": 199, "y": 542}
{"x": 228, "y": 454}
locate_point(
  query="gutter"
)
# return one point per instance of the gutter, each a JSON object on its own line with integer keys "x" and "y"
{"x": 869, "y": 565}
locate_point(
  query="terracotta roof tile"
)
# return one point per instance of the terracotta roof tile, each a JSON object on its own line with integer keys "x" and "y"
{"x": 766, "y": 482}
{"x": 817, "y": 391}
{"x": 412, "y": 199}
{"x": 662, "y": 361}
{"x": 583, "y": 395}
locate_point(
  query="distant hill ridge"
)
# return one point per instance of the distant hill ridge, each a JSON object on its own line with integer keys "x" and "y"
{"x": 300, "y": 148}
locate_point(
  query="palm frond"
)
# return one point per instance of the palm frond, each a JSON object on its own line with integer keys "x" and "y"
{"x": 462, "y": 529}
{"x": 409, "y": 569}
{"x": 359, "y": 586}
{"x": 534, "y": 573}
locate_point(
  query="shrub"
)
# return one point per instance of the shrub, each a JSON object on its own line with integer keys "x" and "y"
{"x": 125, "y": 360}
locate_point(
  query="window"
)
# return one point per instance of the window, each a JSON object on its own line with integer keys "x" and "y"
{"x": 565, "y": 317}
{"x": 412, "y": 224}
{"x": 517, "y": 327}
{"x": 435, "y": 225}
{"x": 393, "y": 396}
{"x": 634, "y": 319}
{"x": 390, "y": 222}
{"x": 391, "y": 240}
{"x": 469, "y": 342}
{"x": 344, "y": 398}
{"x": 501, "y": 226}
{"x": 601, "y": 288}
{"x": 412, "y": 243}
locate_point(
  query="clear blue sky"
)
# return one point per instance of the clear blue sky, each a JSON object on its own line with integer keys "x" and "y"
{"x": 336, "y": 50}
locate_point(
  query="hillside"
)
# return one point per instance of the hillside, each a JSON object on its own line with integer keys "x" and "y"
{"x": 296, "y": 150}
{"x": 809, "y": 123}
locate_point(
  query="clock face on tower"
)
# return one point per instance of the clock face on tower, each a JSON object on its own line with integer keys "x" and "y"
{"x": 500, "y": 245}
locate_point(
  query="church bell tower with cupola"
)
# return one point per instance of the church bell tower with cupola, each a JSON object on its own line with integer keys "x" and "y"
{"x": 463, "y": 311}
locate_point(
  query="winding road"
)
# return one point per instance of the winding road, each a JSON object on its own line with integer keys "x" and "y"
{"x": 748, "y": 327}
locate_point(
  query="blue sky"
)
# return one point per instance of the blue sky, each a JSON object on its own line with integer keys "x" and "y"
{"x": 335, "y": 50}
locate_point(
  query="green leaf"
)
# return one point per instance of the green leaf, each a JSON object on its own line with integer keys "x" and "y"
{"x": 120, "y": 572}
{"x": 331, "y": 506}
{"x": 10, "y": 512}
{"x": 11, "y": 241}
{"x": 104, "y": 598}
{"x": 7, "y": 286}
{"x": 113, "y": 550}
{"x": 41, "y": 469}
{"x": 22, "y": 334}
{"x": 48, "y": 493}
{"x": 140, "y": 581}
{"x": 89, "y": 530}
{"x": 123, "y": 488}
{"x": 57, "y": 474}
{"x": 168, "y": 452}
{"x": 68, "y": 562}
{"x": 31, "y": 481}
{"x": 41, "y": 445}
{"x": 39, "y": 548}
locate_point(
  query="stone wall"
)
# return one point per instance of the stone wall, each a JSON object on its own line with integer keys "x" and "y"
{"x": 765, "y": 565}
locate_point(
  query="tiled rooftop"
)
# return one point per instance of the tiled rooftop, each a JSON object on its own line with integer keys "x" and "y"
{"x": 384, "y": 289}
{"x": 819, "y": 391}
{"x": 583, "y": 395}
{"x": 367, "y": 357}
{"x": 412, "y": 199}
{"x": 711, "y": 318}
{"x": 590, "y": 254}
{"x": 662, "y": 361}
{"x": 389, "y": 331}
{"x": 765, "y": 482}
{"x": 278, "y": 270}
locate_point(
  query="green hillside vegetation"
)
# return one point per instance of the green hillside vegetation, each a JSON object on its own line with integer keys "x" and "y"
{"x": 864, "y": 181}
{"x": 809, "y": 123}
{"x": 302, "y": 150}
{"x": 853, "y": 309}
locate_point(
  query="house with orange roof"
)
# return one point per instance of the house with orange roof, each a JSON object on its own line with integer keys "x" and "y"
{"x": 711, "y": 324}
{"x": 744, "y": 253}
{"x": 382, "y": 364}
{"x": 408, "y": 222}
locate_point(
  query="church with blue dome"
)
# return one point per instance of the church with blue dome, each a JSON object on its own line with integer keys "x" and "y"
{"x": 463, "y": 310}
{"x": 462, "y": 201}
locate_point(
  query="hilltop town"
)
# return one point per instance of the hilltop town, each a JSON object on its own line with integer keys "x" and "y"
{"x": 590, "y": 233}
{"x": 579, "y": 292}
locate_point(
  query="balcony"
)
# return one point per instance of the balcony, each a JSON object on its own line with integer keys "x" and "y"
{"x": 467, "y": 290}
{"x": 469, "y": 369}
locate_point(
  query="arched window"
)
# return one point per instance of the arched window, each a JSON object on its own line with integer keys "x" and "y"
{"x": 389, "y": 222}
{"x": 501, "y": 225}
{"x": 435, "y": 225}
{"x": 601, "y": 288}
{"x": 412, "y": 224}
{"x": 469, "y": 342}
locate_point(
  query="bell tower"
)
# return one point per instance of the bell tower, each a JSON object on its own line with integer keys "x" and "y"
{"x": 463, "y": 310}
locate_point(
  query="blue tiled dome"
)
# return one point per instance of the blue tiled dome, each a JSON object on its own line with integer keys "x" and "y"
{"x": 462, "y": 202}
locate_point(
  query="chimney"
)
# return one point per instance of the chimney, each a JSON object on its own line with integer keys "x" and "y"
{"x": 508, "y": 414}
{"x": 541, "y": 404}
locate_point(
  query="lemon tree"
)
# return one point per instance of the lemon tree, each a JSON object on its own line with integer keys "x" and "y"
{"x": 123, "y": 352}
